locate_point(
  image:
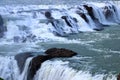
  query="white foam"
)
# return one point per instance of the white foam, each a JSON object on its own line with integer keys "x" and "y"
{"x": 38, "y": 29}
{"x": 8, "y": 68}
{"x": 58, "y": 70}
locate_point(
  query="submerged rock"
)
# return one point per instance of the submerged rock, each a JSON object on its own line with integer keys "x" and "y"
{"x": 98, "y": 29}
{"x": 36, "y": 62}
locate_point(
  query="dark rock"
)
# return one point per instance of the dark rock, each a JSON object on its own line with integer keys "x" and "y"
{"x": 107, "y": 12}
{"x": 60, "y": 52}
{"x": 35, "y": 65}
{"x": 65, "y": 18}
{"x": 48, "y": 15}
{"x": 98, "y": 29}
{"x": 21, "y": 59}
{"x": 118, "y": 76}
{"x": 90, "y": 11}
{"x": 36, "y": 62}
{"x": 1, "y": 79}
{"x": 1, "y": 20}
{"x": 75, "y": 19}
{"x": 96, "y": 21}
{"x": 84, "y": 17}
{"x": 2, "y": 27}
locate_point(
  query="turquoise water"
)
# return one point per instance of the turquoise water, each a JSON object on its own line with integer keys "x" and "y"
{"x": 38, "y": 2}
{"x": 98, "y": 52}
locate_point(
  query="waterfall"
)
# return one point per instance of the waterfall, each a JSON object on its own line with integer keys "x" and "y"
{"x": 51, "y": 23}
{"x": 58, "y": 70}
{"x": 50, "y": 70}
{"x": 23, "y": 75}
{"x": 99, "y": 15}
{"x": 8, "y": 68}
{"x": 33, "y": 23}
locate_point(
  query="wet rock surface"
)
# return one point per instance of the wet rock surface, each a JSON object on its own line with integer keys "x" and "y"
{"x": 118, "y": 76}
{"x": 60, "y": 52}
{"x": 50, "y": 53}
{"x": 21, "y": 59}
{"x": 2, "y": 27}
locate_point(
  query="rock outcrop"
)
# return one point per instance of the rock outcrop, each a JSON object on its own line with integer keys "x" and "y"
{"x": 21, "y": 59}
{"x": 90, "y": 11}
{"x": 60, "y": 52}
{"x": 50, "y": 53}
{"x": 35, "y": 65}
{"x": 118, "y": 76}
{"x": 2, "y": 27}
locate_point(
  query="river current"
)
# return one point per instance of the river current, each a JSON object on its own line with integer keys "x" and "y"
{"x": 98, "y": 51}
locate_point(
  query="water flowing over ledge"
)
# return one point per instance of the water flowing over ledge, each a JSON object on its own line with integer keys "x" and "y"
{"x": 47, "y": 23}
{"x": 58, "y": 70}
{"x": 50, "y": 70}
{"x": 44, "y": 23}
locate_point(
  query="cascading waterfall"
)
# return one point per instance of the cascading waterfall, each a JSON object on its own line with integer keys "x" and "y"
{"x": 99, "y": 15}
{"x": 58, "y": 70}
{"x": 23, "y": 75}
{"x": 8, "y": 68}
{"x": 25, "y": 24}
{"x": 30, "y": 24}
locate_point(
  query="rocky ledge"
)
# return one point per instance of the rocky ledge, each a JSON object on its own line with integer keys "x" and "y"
{"x": 36, "y": 62}
{"x": 50, "y": 53}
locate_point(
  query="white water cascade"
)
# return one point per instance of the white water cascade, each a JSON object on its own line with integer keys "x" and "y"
{"x": 9, "y": 69}
{"x": 58, "y": 70}
{"x": 30, "y": 24}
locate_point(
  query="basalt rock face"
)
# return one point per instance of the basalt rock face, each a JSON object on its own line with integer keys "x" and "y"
{"x": 107, "y": 12}
{"x": 2, "y": 27}
{"x": 60, "y": 52}
{"x": 36, "y": 62}
{"x": 21, "y": 59}
{"x": 118, "y": 76}
{"x": 35, "y": 65}
{"x": 1, "y": 20}
{"x": 90, "y": 11}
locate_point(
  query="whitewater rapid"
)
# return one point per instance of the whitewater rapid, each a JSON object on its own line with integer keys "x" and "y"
{"x": 33, "y": 27}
